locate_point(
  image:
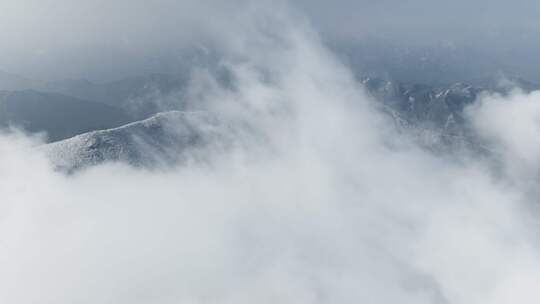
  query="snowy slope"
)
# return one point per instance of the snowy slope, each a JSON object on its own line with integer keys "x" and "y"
{"x": 164, "y": 139}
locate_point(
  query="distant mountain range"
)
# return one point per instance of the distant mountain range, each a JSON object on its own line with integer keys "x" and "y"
{"x": 435, "y": 113}
{"x": 67, "y": 108}
{"x": 138, "y": 96}
{"x": 110, "y": 121}
{"x": 58, "y": 115}
{"x": 10, "y": 81}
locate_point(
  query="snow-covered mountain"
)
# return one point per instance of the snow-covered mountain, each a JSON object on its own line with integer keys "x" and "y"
{"x": 440, "y": 106}
{"x": 433, "y": 115}
{"x": 163, "y": 139}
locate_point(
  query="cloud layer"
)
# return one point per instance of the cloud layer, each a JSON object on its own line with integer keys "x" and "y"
{"x": 318, "y": 200}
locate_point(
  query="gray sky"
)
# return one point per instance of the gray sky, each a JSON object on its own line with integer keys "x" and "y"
{"x": 423, "y": 19}
{"x": 98, "y": 38}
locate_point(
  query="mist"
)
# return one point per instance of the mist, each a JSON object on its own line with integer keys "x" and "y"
{"x": 315, "y": 198}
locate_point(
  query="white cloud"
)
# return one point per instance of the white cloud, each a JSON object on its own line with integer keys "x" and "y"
{"x": 511, "y": 125}
{"x": 312, "y": 206}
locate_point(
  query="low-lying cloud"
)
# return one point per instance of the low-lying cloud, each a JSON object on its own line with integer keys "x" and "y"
{"x": 510, "y": 125}
{"x": 320, "y": 200}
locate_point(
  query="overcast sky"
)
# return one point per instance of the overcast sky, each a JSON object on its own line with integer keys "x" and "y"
{"x": 420, "y": 19}
{"x": 85, "y": 37}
